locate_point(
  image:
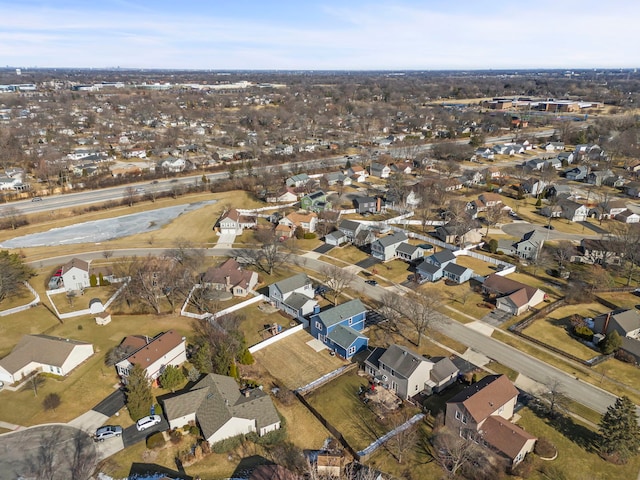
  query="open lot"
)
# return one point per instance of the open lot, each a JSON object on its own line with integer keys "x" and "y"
{"x": 293, "y": 363}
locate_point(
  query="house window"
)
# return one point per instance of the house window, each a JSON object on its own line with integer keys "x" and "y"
{"x": 464, "y": 419}
{"x": 501, "y": 409}
{"x": 458, "y": 416}
{"x": 319, "y": 326}
{"x": 351, "y": 351}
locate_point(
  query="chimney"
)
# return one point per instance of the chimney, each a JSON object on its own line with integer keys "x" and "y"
{"x": 378, "y": 204}
{"x": 606, "y": 324}
{"x": 247, "y": 392}
{"x": 227, "y": 280}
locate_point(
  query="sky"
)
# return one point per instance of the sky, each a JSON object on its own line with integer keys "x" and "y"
{"x": 320, "y": 35}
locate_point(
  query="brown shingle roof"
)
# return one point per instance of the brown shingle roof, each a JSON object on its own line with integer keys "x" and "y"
{"x": 156, "y": 349}
{"x": 506, "y": 286}
{"x": 485, "y": 397}
{"x": 504, "y": 436}
{"x": 75, "y": 262}
{"x": 232, "y": 269}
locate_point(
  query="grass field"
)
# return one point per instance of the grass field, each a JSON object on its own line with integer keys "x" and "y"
{"x": 293, "y": 363}
{"x": 256, "y": 321}
{"x": 66, "y": 304}
{"x": 349, "y": 254}
{"x": 621, "y": 299}
{"x": 29, "y": 322}
{"x": 21, "y": 297}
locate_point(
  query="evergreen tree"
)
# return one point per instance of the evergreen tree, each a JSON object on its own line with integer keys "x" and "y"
{"x": 619, "y": 430}
{"x": 171, "y": 378}
{"x": 202, "y": 359}
{"x": 138, "y": 393}
{"x": 611, "y": 343}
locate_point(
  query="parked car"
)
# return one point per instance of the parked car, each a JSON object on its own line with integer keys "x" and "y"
{"x": 36, "y": 199}
{"x": 106, "y": 432}
{"x": 371, "y": 282}
{"x": 549, "y": 227}
{"x": 148, "y": 422}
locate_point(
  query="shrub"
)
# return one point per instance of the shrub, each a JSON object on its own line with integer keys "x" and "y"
{"x": 539, "y": 202}
{"x": 194, "y": 430}
{"x": 51, "y": 401}
{"x": 309, "y": 236}
{"x": 584, "y": 332}
{"x": 176, "y": 436}
{"x": 246, "y": 358}
{"x": 625, "y": 357}
{"x": 544, "y": 448}
{"x": 227, "y": 444}
{"x": 525, "y": 468}
{"x": 156, "y": 440}
{"x": 93, "y": 280}
{"x": 493, "y": 245}
{"x": 233, "y": 371}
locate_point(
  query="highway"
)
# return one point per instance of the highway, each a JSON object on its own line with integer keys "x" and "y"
{"x": 77, "y": 199}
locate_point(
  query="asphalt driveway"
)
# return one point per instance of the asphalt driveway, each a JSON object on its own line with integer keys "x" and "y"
{"x": 112, "y": 404}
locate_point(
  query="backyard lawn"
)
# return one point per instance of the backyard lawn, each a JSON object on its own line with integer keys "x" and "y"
{"x": 621, "y": 299}
{"x": 21, "y": 297}
{"x": 257, "y": 323}
{"x": 29, "y": 322}
{"x": 338, "y": 402}
{"x": 66, "y": 304}
{"x": 293, "y": 363}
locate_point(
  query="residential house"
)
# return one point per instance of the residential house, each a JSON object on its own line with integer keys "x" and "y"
{"x": 408, "y": 373}
{"x": 627, "y": 216}
{"x": 221, "y": 410}
{"x": 335, "y": 178}
{"x": 626, "y": 323}
{"x": 608, "y": 209}
{"x": 566, "y": 157}
{"x": 599, "y": 177}
{"x": 379, "y": 170}
{"x": 534, "y": 186}
{"x": 632, "y": 189}
{"x": 483, "y": 152}
{"x": 534, "y": 164}
{"x": 293, "y": 295}
{"x": 512, "y": 296}
{"x": 173, "y": 165}
{"x": 230, "y": 277}
{"x": 577, "y": 173}
{"x": 153, "y": 354}
{"x": 457, "y": 273}
{"x": 554, "y": 163}
{"x": 530, "y": 245}
{"x": 367, "y": 204}
{"x": 432, "y": 267}
{"x": 75, "y": 275}
{"x": 357, "y": 173}
{"x": 491, "y": 173}
{"x": 489, "y": 200}
{"x": 553, "y": 146}
{"x": 457, "y": 234}
{"x": 405, "y": 168}
{"x": 232, "y": 222}
{"x": 315, "y": 202}
{"x": 472, "y": 177}
{"x": 573, "y": 211}
{"x": 481, "y": 412}
{"x": 339, "y": 328}
{"x": 409, "y": 253}
{"x": 286, "y": 195}
{"x": 633, "y": 166}
{"x": 335, "y": 238}
{"x": 412, "y": 200}
{"x": 43, "y": 354}
{"x": 600, "y": 252}
{"x": 307, "y": 221}
{"x": 385, "y": 248}
{"x": 356, "y": 232}
{"x": 297, "y": 180}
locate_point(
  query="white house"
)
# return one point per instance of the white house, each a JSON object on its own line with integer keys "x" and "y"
{"x": 234, "y": 223}
{"x": 43, "y": 354}
{"x": 221, "y": 410}
{"x": 75, "y": 275}
{"x": 153, "y": 354}
{"x": 173, "y": 165}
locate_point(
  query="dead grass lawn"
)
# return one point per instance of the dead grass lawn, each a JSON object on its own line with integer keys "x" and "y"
{"x": 293, "y": 363}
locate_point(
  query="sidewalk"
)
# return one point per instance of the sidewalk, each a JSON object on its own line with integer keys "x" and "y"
{"x": 11, "y": 426}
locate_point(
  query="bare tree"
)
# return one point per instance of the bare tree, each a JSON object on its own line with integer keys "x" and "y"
{"x": 453, "y": 452}
{"x": 626, "y": 238}
{"x": 420, "y": 311}
{"x": 492, "y": 216}
{"x": 337, "y": 279}
{"x": 129, "y": 196}
{"x": 563, "y": 252}
{"x": 405, "y": 438}
{"x": 83, "y": 457}
{"x": 11, "y": 217}
{"x": 555, "y": 397}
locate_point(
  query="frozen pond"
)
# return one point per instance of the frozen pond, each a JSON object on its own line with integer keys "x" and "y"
{"x": 102, "y": 230}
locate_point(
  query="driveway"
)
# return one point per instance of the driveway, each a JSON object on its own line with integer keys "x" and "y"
{"x": 112, "y": 404}
{"x": 226, "y": 240}
{"x": 323, "y": 248}
{"x": 368, "y": 262}
{"x": 496, "y": 317}
{"x": 131, "y": 435}
{"x": 593, "y": 227}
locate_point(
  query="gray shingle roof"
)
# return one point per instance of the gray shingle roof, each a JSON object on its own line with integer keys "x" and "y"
{"x": 292, "y": 283}
{"x": 297, "y": 301}
{"x": 407, "y": 248}
{"x": 402, "y": 360}
{"x": 339, "y": 313}
{"x": 392, "y": 239}
{"x": 216, "y": 399}
{"x": 344, "y": 336}
{"x": 442, "y": 368}
{"x": 455, "y": 269}
{"x": 428, "y": 268}
{"x": 350, "y": 225}
{"x": 443, "y": 256}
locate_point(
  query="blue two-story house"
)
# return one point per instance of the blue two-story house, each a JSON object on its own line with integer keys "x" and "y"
{"x": 339, "y": 328}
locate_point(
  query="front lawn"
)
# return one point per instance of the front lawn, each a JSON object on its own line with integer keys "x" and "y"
{"x": 349, "y": 254}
